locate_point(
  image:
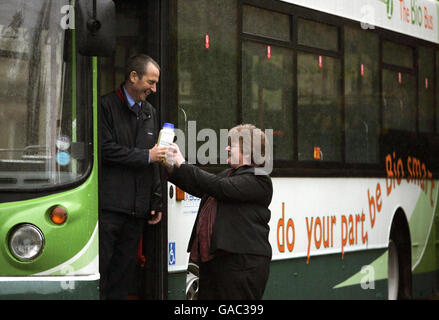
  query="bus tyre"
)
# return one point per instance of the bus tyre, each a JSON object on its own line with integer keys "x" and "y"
{"x": 399, "y": 260}
{"x": 393, "y": 271}
{"x": 192, "y": 281}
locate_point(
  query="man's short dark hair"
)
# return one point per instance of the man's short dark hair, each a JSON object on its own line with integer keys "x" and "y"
{"x": 138, "y": 63}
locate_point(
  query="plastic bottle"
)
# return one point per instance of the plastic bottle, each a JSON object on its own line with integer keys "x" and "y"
{"x": 166, "y": 135}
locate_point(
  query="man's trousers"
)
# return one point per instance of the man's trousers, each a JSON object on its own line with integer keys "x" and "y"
{"x": 119, "y": 236}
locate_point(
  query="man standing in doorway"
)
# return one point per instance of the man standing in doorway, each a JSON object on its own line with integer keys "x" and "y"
{"x": 130, "y": 187}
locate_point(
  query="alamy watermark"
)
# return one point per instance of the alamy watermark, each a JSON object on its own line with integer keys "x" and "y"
{"x": 68, "y": 270}
{"x": 256, "y": 146}
{"x": 367, "y": 17}
{"x": 368, "y": 280}
{"x": 68, "y": 17}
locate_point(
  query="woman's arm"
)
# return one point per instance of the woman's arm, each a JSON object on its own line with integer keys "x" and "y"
{"x": 241, "y": 187}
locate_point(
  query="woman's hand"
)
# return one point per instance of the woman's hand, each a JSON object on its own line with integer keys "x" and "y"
{"x": 174, "y": 156}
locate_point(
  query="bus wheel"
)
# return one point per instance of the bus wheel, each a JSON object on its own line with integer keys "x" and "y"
{"x": 192, "y": 281}
{"x": 399, "y": 259}
{"x": 393, "y": 271}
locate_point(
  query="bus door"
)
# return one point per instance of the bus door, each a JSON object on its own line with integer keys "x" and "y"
{"x": 138, "y": 31}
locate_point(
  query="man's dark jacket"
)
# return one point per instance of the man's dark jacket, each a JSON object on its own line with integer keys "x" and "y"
{"x": 241, "y": 223}
{"x": 129, "y": 184}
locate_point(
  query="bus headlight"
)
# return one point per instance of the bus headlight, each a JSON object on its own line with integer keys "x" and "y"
{"x": 26, "y": 242}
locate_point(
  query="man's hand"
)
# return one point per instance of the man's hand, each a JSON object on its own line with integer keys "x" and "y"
{"x": 156, "y": 218}
{"x": 157, "y": 154}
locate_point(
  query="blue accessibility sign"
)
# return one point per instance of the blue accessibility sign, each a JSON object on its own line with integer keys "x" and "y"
{"x": 171, "y": 260}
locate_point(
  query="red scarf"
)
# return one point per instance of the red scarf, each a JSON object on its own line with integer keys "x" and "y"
{"x": 201, "y": 245}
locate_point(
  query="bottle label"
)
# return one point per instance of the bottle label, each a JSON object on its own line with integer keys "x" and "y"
{"x": 165, "y": 138}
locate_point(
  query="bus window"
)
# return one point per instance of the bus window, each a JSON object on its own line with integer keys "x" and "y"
{"x": 130, "y": 40}
{"x": 397, "y": 54}
{"x": 266, "y": 23}
{"x": 399, "y": 100}
{"x": 399, "y": 88}
{"x": 437, "y": 91}
{"x": 44, "y": 131}
{"x": 267, "y": 93}
{"x": 207, "y": 73}
{"x": 317, "y": 35}
{"x": 361, "y": 69}
{"x": 319, "y": 107}
{"x": 426, "y": 89}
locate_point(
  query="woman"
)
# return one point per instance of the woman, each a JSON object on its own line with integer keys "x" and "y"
{"x": 229, "y": 240}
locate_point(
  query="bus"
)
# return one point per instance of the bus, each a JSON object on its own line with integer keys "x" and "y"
{"x": 348, "y": 88}
{"x": 351, "y": 92}
{"x": 48, "y": 154}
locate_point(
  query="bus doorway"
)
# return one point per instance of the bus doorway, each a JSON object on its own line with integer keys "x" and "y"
{"x": 138, "y": 31}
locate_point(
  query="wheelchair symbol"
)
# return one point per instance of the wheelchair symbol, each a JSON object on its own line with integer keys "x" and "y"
{"x": 171, "y": 253}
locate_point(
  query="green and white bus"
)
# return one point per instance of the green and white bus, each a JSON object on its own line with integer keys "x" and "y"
{"x": 48, "y": 155}
{"x": 351, "y": 91}
{"x": 349, "y": 88}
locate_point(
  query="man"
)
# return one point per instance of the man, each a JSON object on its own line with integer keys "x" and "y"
{"x": 129, "y": 189}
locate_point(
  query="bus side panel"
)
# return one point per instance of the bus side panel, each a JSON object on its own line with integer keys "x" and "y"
{"x": 425, "y": 257}
{"x": 333, "y": 230}
{"x": 324, "y": 277}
